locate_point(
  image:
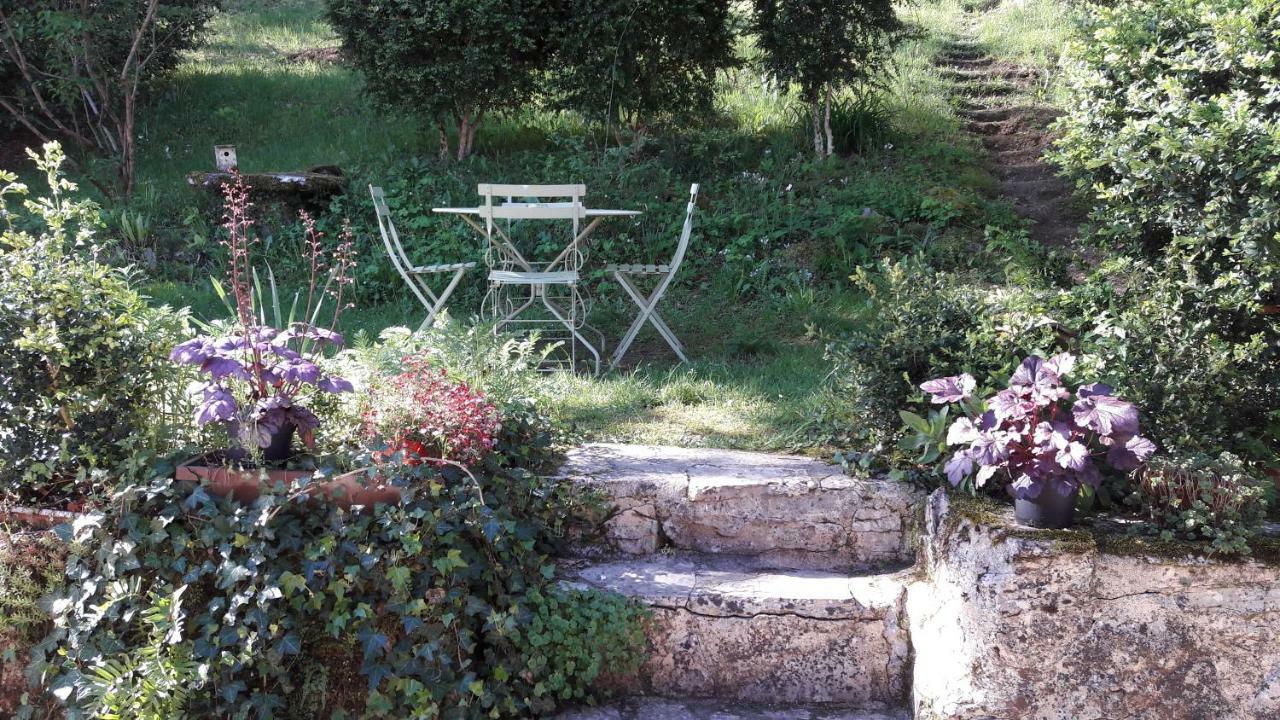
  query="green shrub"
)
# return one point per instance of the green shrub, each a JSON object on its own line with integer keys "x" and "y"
{"x": 1172, "y": 124}
{"x": 917, "y": 323}
{"x": 572, "y": 637}
{"x": 622, "y": 62}
{"x": 452, "y": 62}
{"x": 415, "y": 610}
{"x": 1205, "y": 377}
{"x": 79, "y": 70}
{"x": 1198, "y": 497}
{"x": 82, "y": 355}
{"x": 824, "y": 46}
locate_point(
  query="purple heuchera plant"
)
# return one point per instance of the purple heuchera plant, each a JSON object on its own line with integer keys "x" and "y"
{"x": 267, "y": 371}
{"x": 1036, "y": 434}
{"x": 257, "y": 372}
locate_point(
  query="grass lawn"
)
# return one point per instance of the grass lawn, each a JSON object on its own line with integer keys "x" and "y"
{"x": 758, "y": 379}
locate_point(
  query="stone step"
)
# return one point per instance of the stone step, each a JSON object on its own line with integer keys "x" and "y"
{"x": 664, "y": 709}
{"x": 782, "y": 511}
{"x": 727, "y": 632}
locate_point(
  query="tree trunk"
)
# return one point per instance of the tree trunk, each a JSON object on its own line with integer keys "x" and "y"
{"x": 815, "y": 110}
{"x": 444, "y": 141}
{"x": 468, "y": 125}
{"x": 826, "y": 122}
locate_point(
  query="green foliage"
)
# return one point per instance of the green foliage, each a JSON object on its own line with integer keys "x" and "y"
{"x": 154, "y": 680}
{"x": 82, "y": 355}
{"x": 424, "y": 606}
{"x": 1173, "y": 125}
{"x": 74, "y": 70}
{"x": 1204, "y": 376}
{"x": 829, "y": 43}
{"x": 1199, "y": 497}
{"x": 452, "y": 61}
{"x": 634, "y": 62}
{"x": 573, "y": 636}
{"x": 918, "y": 323}
{"x": 31, "y": 567}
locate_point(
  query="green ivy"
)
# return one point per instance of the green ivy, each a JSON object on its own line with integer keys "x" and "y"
{"x": 424, "y": 609}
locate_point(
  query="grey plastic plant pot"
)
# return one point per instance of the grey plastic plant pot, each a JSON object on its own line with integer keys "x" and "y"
{"x": 1050, "y": 510}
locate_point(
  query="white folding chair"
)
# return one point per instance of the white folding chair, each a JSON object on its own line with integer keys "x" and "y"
{"x": 533, "y": 282}
{"x": 648, "y": 304}
{"x": 415, "y": 277}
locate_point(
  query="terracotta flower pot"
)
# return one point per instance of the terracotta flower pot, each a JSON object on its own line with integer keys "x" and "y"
{"x": 246, "y": 485}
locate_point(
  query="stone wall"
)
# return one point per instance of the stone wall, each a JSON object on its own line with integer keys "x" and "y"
{"x": 1086, "y": 624}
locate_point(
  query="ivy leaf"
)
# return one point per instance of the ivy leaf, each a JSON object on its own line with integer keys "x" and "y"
{"x": 290, "y": 644}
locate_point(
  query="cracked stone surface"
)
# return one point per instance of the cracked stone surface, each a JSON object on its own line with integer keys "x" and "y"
{"x": 1011, "y": 625}
{"x": 725, "y": 631}
{"x": 785, "y": 512}
{"x": 663, "y": 709}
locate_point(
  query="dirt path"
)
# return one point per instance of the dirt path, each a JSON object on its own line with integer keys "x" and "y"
{"x": 996, "y": 101}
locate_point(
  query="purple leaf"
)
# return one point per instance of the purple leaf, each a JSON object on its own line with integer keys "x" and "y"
{"x": 218, "y": 406}
{"x": 192, "y": 352}
{"x": 220, "y": 367}
{"x": 950, "y": 389}
{"x": 984, "y": 474}
{"x": 1106, "y": 415}
{"x": 1093, "y": 389}
{"x": 1073, "y": 456}
{"x": 1128, "y": 453}
{"x": 1025, "y": 488}
{"x": 1060, "y": 365}
{"x": 958, "y": 467}
{"x": 301, "y": 371}
{"x": 335, "y": 385}
{"x": 303, "y": 419}
{"x": 1009, "y": 405}
{"x": 961, "y": 432}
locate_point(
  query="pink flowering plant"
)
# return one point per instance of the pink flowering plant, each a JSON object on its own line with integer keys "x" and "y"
{"x": 424, "y": 416}
{"x": 1036, "y": 435}
{"x": 258, "y": 373}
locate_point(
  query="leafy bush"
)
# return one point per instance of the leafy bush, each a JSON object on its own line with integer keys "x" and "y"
{"x": 1171, "y": 121}
{"x": 78, "y": 70}
{"x": 424, "y": 606}
{"x": 81, "y": 353}
{"x": 917, "y": 323}
{"x": 453, "y": 62}
{"x": 1205, "y": 376}
{"x": 1199, "y": 497}
{"x": 619, "y": 61}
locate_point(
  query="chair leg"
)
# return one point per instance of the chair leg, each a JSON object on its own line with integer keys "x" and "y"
{"x": 648, "y": 312}
{"x": 568, "y": 323}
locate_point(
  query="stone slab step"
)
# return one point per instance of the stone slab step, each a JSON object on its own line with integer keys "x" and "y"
{"x": 787, "y": 512}
{"x": 727, "y": 632}
{"x": 663, "y": 709}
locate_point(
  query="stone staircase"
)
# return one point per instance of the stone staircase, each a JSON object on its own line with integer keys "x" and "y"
{"x": 777, "y": 583}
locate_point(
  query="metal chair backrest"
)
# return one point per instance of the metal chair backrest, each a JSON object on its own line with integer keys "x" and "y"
{"x": 391, "y": 239}
{"x": 552, "y": 202}
{"x": 683, "y": 245}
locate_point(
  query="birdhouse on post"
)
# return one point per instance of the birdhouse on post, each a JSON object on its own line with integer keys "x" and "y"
{"x": 225, "y": 157}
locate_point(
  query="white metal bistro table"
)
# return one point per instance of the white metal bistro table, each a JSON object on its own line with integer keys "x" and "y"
{"x": 596, "y": 215}
{"x": 564, "y": 260}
